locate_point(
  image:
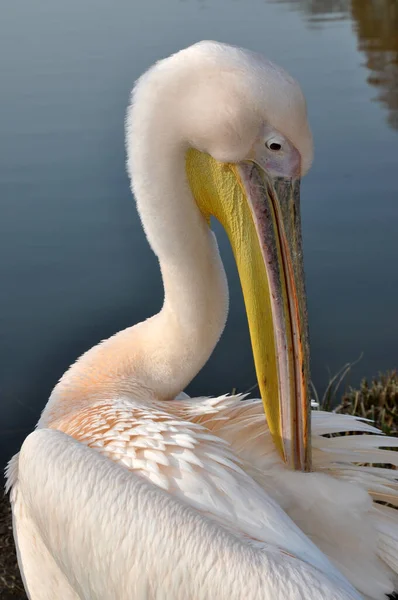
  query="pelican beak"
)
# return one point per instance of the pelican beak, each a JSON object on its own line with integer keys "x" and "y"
{"x": 261, "y": 216}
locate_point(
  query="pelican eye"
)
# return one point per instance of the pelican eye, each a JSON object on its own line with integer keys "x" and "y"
{"x": 273, "y": 145}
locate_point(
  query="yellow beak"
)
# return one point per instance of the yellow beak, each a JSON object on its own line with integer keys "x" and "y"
{"x": 262, "y": 219}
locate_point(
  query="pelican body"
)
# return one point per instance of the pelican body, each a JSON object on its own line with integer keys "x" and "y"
{"x": 128, "y": 489}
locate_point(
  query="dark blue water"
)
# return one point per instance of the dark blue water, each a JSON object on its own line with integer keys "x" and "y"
{"x": 74, "y": 264}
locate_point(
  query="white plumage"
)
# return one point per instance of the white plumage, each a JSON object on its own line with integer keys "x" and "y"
{"x": 123, "y": 492}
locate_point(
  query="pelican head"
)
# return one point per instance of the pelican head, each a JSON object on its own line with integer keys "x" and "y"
{"x": 239, "y": 124}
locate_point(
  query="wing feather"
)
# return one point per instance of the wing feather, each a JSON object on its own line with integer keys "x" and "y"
{"x": 333, "y": 505}
{"x": 113, "y": 535}
{"x": 192, "y": 464}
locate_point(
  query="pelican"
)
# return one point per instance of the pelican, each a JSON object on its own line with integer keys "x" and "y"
{"x": 129, "y": 489}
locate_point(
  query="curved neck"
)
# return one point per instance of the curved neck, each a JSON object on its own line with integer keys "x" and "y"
{"x": 176, "y": 343}
{"x": 161, "y": 355}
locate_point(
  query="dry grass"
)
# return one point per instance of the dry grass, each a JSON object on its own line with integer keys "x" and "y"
{"x": 11, "y": 586}
{"x": 376, "y": 400}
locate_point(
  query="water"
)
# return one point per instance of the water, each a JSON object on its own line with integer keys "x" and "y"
{"x": 75, "y": 266}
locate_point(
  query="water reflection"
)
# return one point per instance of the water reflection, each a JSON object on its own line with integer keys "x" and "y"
{"x": 321, "y": 10}
{"x": 375, "y": 23}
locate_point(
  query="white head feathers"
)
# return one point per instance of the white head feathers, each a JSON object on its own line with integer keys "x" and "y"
{"x": 217, "y": 97}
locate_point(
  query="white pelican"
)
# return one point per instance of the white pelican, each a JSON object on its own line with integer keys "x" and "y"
{"x": 128, "y": 490}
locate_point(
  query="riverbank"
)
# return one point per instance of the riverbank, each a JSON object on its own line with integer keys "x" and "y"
{"x": 11, "y": 587}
